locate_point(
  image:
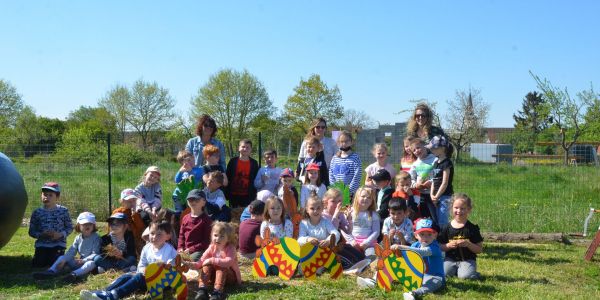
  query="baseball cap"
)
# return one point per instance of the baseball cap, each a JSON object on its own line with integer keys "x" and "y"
{"x": 127, "y": 194}
{"x": 380, "y": 175}
{"x": 86, "y": 218}
{"x": 425, "y": 225}
{"x": 287, "y": 172}
{"x": 154, "y": 169}
{"x": 196, "y": 194}
{"x": 312, "y": 166}
{"x": 52, "y": 186}
{"x": 438, "y": 141}
{"x": 117, "y": 216}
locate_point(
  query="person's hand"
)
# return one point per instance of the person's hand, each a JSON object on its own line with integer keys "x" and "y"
{"x": 462, "y": 243}
{"x": 392, "y": 232}
{"x": 337, "y": 210}
{"x": 427, "y": 184}
{"x": 313, "y": 241}
{"x": 434, "y": 199}
{"x": 79, "y": 261}
{"x": 395, "y": 247}
{"x": 55, "y": 235}
{"x": 324, "y": 243}
{"x": 207, "y": 262}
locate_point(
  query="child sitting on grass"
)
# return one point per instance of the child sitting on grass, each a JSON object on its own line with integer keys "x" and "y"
{"x": 151, "y": 192}
{"x": 135, "y": 224}
{"x": 86, "y": 244}
{"x": 118, "y": 246}
{"x": 250, "y": 228}
{"x": 398, "y": 226}
{"x": 195, "y": 226}
{"x": 49, "y": 225}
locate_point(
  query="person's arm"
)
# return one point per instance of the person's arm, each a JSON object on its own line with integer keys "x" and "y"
{"x": 73, "y": 249}
{"x": 227, "y": 261}
{"x": 181, "y": 239}
{"x": 178, "y": 176}
{"x": 303, "y": 235}
{"x": 423, "y": 251}
{"x": 258, "y": 181}
{"x": 385, "y": 229}
{"x": 302, "y": 152}
{"x": 68, "y": 225}
{"x": 331, "y": 230}
{"x": 355, "y": 181}
{"x": 221, "y": 153}
{"x": 442, "y": 188}
{"x": 331, "y": 177}
{"x": 34, "y": 225}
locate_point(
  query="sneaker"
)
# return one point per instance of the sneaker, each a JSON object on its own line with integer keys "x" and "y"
{"x": 217, "y": 295}
{"x": 358, "y": 268}
{"x": 71, "y": 277}
{"x": 96, "y": 295}
{"x": 132, "y": 268}
{"x": 202, "y": 294}
{"x": 44, "y": 274}
{"x": 101, "y": 270}
{"x": 365, "y": 283}
{"x": 408, "y": 296}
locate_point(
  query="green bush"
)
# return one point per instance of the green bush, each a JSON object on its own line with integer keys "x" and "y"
{"x": 125, "y": 154}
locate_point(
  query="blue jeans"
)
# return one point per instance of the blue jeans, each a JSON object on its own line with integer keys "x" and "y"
{"x": 128, "y": 284}
{"x": 442, "y": 210}
{"x": 114, "y": 263}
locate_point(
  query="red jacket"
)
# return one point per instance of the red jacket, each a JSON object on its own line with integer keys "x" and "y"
{"x": 194, "y": 233}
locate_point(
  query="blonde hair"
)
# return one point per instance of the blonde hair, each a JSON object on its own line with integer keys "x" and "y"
{"x": 462, "y": 196}
{"x": 401, "y": 176}
{"x": 331, "y": 193}
{"x": 228, "y": 230}
{"x": 183, "y": 154}
{"x": 412, "y": 126}
{"x": 371, "y": 207}
{"x": 270, "y": 202}
{"x": 408, "y": 155}
{"x": 312, "y": 198}
{"x": 378, "y": 146}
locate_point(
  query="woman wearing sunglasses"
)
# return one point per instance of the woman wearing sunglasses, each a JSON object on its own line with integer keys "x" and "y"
{"x": 420, "y": 124}
{"x": 206, "y": 128}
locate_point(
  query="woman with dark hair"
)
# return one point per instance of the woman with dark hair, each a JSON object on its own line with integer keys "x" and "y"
{"x": 420, "y": 124}
{"x": 206, "y": 128}
{"x": 317, "y": 129}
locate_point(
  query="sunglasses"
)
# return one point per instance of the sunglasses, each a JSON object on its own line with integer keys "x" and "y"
{"x": 320, "y": 127}
{"x": 420, "y": 116}
{"x": 116, "y": 224}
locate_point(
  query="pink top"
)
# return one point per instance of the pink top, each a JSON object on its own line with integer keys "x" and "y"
{"x": 226, "y": 258}
{"x": 374, "y": 167}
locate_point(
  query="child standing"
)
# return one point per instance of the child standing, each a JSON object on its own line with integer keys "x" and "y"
{"x": 151, "y": 193}
{"x": 364, "y": 222}
{"x": 398, "y": 226}
{"x": 187, "y": 170}
{"x": 274, "y": 219}
{"x": 216, "y": 206}
{"x": 312, "y": 183}
{"x": 287, "y": 182}
{"x": 49, "y": 225}
{"x": 218, "y": 265}
{"x": 268, "y": 176}
{"x": 314, "y": 154}
{"x": 195, "y": 226}
{"x": 314, "y": 228}
{"x": 382, "y": 181}
{"x": 242, "y": 171}
{"x": 129, "y": 198}
{"x": 426, "y": 233}
{"x": 250, "y": 228}
{"x": 461, "y": 240}
{"x": 407, "y": 194}
{"x": 408, "y": 157}
{"x": 443, "y": 173}
{"x": 380, "y": 152}
{"x": 346, "y": 165}
{"x": 86, "y": 244}
{"x": 118, "y": 246}
{"x": 157, "y": 251}
{"x": 212, "y": 155}
{"x": 420, "y": 173}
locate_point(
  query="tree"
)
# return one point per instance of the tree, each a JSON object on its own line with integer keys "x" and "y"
{"x": 467, "y": 116}
{"x": 529, "y": 122}
{"x": 10, "y": 104}
{"x": 592, "y": 119}
{"x": 355, "y": 120}
{"x": 234, "y": 99}
{"x": 436, "y": 120}
{"x": 37, "y": 134}
{"x": 115, "y": 102}
{"x": 96, "y": 119}
{"x": 566, "y": 113}
{"x": 312, "y": 98}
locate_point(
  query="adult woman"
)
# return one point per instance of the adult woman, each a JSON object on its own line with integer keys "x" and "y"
{"x": 206, "y": 128}
{"x": 317, "y": 129}
{"x": 420, "y": 124}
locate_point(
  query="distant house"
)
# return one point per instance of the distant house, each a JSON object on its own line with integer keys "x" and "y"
{"x": 492, "y": 134}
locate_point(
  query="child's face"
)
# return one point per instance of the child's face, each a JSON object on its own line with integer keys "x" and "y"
{"x": 314, "y": 210}
{"x": 212, "y": 184}
{"x": 86, "y": 229}
{"x": 312, "y": 149}
{"x": 270, "y": 160}
{"x": 151, "y": 178}
{"x": 218, "y": 238}
{"x": 117, "y": 227}
{"x": 213, "y": 159}
{"x": 403, "y": 184}
{"x": 382, "y": 183}
{"x": 245, "y": 149}
{"x": 364, "y": 201}
{"x": 407, "y": 147}
{"x": 275, "y": 211}
{"x": 49, "y": 198}
{"x": 332, "y": 203}
{"x": 380, "y": 155}
{"x": 460, "y": 209}
{"x": 398, "y": 216}
{"x": 313, "y": 175}
{"x": 344, "y": 141}
{"x": 187, "y": 162}
{"x": 438, "y": 151}
{"x": 196, "y": 205}
{"x": 419, "y": 150}
{"x": 426, "y": 237}
{"x": 287, "y": 181}
{"x": 158, "y": 237}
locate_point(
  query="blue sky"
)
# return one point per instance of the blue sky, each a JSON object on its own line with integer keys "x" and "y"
{"x": 63, "y": 54}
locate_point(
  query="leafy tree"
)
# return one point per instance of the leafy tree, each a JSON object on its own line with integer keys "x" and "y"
{"x": 467, "y": 116}
{"x": 355, "y": 120}
{"x": 312, "y": 98}
{"x": 11, "y": 104}
{"x": 37, "y": 134}
{"x": 567, "y": 113}
{"x": 592, "y": 119}
{"x": 234, "y": 99}
{"x": 529, "y": 122}
{"x": 116, "y": 101}
{"x": 97, "y": 119}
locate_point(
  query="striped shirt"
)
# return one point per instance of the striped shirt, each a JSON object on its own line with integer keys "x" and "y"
{"x": 346, "y": 169}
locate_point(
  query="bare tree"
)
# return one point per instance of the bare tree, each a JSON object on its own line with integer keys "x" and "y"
{"x": 466, "y": 117}
{"x": 354, "y": 120}
{"x": 436, "y": 120}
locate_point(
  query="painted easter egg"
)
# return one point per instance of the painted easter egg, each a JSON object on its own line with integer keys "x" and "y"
{"x": 407, "y": 269}
{"x": 158, "y": 277}
{"x": 312, "y": 258}
{"x": 284, "y": 255}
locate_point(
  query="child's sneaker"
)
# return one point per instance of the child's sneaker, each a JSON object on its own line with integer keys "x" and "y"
{"x": 96, "y": 295}
{"x": 44, "y": 274}
{"x": 202, "y": 294}
{"x": 365, "y": 283}
{"x": 408, "y": 296}
{"x": 101, "y": 270}
{"x": 217, "y": 295}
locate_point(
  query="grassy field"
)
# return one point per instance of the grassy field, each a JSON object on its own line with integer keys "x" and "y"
{"x": 506, "y": 198}
{"x": 510, "y": 271}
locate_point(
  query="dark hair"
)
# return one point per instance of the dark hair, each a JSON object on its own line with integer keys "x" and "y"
{"x": 209, "y": 121}
{"x": 183, "y": 154}
{"x": 162, "y": 225}
{"x": 218, "y": 176}
{"x": 270, "y": 152}
{"x": 257, "y": 207}
{"x": 246, "y": 141}
{"x": 397, "y": 204}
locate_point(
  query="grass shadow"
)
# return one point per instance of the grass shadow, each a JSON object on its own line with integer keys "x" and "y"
{"x": 16, "y": 271}
{"x": 511, "y": 279}
{"x": 470, "y": 285}
{"x": 520, "y": 253}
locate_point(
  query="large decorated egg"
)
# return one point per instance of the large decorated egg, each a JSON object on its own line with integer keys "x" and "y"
{"x": 13, "y": 199}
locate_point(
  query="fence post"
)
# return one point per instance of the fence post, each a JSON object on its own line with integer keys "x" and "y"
{"x": 109, "y": 176}
{"x": 259, "y": 149}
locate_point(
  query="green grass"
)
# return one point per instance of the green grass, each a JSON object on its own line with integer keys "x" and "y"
{"x": 510, "y": 271}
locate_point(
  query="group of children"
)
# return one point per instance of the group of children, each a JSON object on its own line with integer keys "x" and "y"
{"x": 412, "y": 204}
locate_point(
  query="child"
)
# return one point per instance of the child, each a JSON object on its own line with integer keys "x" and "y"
{"x": 420, "y": 173}
{"x": 250, "y": 228}
{"x": 49, "y": 225}
{"x": 268, "y": 176}
{"x": 443, "y": 172}
{"x": 157, "y": 251}
{"x": 212, "y": 155}
{"x": 218, "y": 265}
{"x": 242, "y": 170}
{"x": 409, "y": 195}
{"x": 380, "y": 152}
{"x": 129, "y": 198}
{"x": 151, "y": 193}
{"x": 314, "y": 154}
{"x": 164, "y": 215}
{"x": 315, "y": 228}
{"x": 346, "y": 165}
{"x": 461, "y": 240}
{"x": 408, "y": 157}
{"x": 86, "y": 244}
{"x": 312, "y": 183}
{"x": 382, "y": 180}
{"x": 274, "y": 219}
{"x": 398, "y": 226}
{"x": 195, "y": 226}
{"x": 426, "y": 232}
{"x": 187, "y": 169}
{"x": 287, "y": 182}
{"x": 118, "y": 246}
{"x": 364, "y": 221}
{"x": 216, "y": 207}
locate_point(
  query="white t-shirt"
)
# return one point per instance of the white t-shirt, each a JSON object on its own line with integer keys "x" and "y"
{"x": 150, "y": 255}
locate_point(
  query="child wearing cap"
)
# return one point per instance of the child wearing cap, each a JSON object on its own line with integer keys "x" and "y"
{"x": 312, "y": 184}
{"x": 129, "y": 199}
{"x": 86, "y": 244}
{"x": 118, "y": 245}
{"x": 187, "y": 170}
{"x": 268, "y": 176}
{"x": 380, "y": 152}
{"x": 151, "y": 192}
{"x": 250, "y": 228}
{"x": 49, "y": 225}
{"x": 216, "y": 206}
{"x": 194, "y": 232}
{"x": 428, "y": 247}
{"x": 382, "y": 180}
